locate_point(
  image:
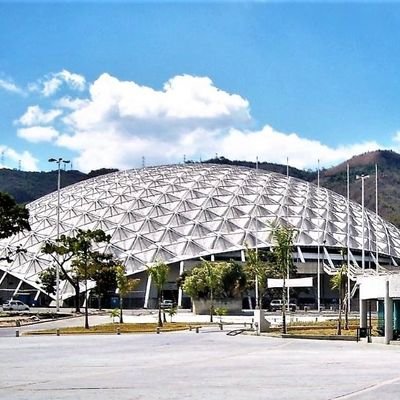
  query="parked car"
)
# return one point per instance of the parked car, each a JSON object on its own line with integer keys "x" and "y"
{"x": 276, "y": 305}
{"x": 15, "y": 305}
{"x": 167, "y": 304}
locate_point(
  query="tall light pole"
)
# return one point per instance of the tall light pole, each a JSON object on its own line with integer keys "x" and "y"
{"x": 58, "y": 161}
{"x": 362, "y": 177}
{"x": 318, "y": 251}
{"x": 376, "y": 219}
{"x": 256, "y": 280}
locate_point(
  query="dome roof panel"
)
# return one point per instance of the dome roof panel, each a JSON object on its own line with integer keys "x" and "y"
{"x": 182, "y": 211}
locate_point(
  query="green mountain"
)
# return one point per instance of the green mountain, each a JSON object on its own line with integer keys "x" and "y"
{"x": 335, "y": 178}
{"x": 28, "y": 186}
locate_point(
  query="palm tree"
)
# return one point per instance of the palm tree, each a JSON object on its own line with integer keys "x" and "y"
{"x": 257, "y": 271}
{"x": 124, "y": 285}
{"x": 283, "y": 237}
{"x": 171, "y": 312}
{"x": 338, "y": 281}
{"x": 213, "y": 279}
{"x": 159, "y": 273}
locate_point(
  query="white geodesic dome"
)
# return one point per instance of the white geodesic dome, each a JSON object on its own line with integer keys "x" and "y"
{"x": 181, "y": 212}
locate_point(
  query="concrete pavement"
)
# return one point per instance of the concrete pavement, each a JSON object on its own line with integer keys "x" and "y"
{"x": 189, "y": 365}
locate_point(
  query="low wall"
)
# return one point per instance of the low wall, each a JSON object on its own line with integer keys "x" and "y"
{"x": 202, "y": 307}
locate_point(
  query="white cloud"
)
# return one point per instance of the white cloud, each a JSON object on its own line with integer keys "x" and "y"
{"x": 69, "y": 103}
{"x": 34, "y": 115}
{"x": 13, "y": 158}
{"x": 36, "y": 134}
{"x": 10, "y": 86}
{"x": 121, "y": 121}
{"x": 273, "y": 146}
{"x": 185, "y": 103}
{"x": 53, "y": 82}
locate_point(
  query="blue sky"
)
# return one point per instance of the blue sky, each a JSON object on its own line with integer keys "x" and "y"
{"x": 105, "y": 83}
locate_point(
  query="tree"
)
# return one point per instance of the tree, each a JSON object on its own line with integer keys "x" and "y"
{"x": 103, "y": 272}
{"x": 283, "y": 237}
{"x": 257, "y": 271}
{"x": 13, "y": 219}
{"x": 211, "y": 280}
{"x": 47, "y": 280}
{"x": 339, "y": 282}
{"x": 159, "y": 273}
{"x": 171, "y": 312}
{"x": 77, "y": 259}
{"x": 124, "y": 285}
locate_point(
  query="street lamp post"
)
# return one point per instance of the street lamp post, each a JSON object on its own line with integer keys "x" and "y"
{"x": 362, "y": 177}
{"x": 58, "y": 161}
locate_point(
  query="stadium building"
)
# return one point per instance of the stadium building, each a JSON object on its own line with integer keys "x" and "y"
{"x": 181, "y": 213}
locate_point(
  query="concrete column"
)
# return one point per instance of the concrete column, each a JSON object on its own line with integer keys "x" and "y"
{"x": 17, "y": 289}
{"x": 388, "y": 316}
{"x": 2, "y": 278}
{"x": 147, "y": 293}
{"x": 363, "y": 313}
{"x": 181, "y": 269}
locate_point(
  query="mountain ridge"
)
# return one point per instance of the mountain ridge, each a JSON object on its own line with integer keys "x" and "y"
{"x": 28, "y": 186}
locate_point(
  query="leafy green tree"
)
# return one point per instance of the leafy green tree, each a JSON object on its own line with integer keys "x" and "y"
{"x": 13, "y": 219}
{"x": 47, "y": 280}
{"x": 76, "y": 258}
{"x": 159, "y": 274}
{"x": 103, "y": 272}
{"x": 283, "y": 238}
{"x": 124, "y": 285}
{"x": 211, "y": 280}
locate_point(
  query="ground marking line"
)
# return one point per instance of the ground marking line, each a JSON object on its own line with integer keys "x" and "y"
{"x": 367, "y": 389}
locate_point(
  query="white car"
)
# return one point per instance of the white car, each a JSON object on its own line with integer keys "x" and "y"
{"x": 167, "y": 304}
{"x": 15, "y": 305}
{"x": 276, "y": 305}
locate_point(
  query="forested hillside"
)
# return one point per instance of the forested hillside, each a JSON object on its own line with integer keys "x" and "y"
{"x": 28, "y": 186}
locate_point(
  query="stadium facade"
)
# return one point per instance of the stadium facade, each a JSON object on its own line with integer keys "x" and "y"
{"x": 181, "y": 213}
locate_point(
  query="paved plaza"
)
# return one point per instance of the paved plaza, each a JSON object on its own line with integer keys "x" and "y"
{"x": 189, "y": 365}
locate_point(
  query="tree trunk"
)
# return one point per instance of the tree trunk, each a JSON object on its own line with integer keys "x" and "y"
{"x": 339, "y": 323}
{"x": 121, "y": 318}
{"x": 77, "y": 298}
{"x": 211, "y": 305}
{"x": 160, "y": 323}
{"x": 284, "y": 327}
{"x": 346, "y": 309}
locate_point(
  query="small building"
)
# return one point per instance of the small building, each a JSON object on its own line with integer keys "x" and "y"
{"x": 383, "y": 294}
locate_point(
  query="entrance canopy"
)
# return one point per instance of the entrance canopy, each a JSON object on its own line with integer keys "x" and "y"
{"x": 374, "y": 287}
{"x": 291, "y": 283}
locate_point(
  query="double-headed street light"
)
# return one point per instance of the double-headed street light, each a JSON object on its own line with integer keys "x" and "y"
{"x": 58, "y": 161}
{"x": 362, "y": 177}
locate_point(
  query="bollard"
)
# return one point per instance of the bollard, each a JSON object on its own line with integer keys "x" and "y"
{"x": 17, "y": 333}
{"x": 197, "y": 329}
{"x": 58, "y": 332}
{"x": 118, "y": 331}
{"x": 158, "y": 330}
